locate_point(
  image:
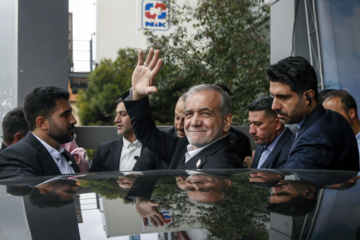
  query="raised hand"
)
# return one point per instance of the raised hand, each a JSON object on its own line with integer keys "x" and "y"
{"x": 144, "y": 74}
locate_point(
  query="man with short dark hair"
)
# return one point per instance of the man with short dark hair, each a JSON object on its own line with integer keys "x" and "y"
{"x": 342, "y": 102}
{"x": 49, "y": 116}
{"x": 120, "y": 154}
{"x": 273, "y": 139}
{"x": 14, "y": 127}
{"x": 324, "y": 140}
{"x": 207, "y": 122}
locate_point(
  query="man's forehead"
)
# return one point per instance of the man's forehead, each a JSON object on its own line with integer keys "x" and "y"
{"x": 120, "y": 107}
{"x": 333, "y": 101}
{"x": 280, "y": 88}
{"x": 257, "y": 114}
{"x": 62, "y": 104}
{"x": 202, "y": 100}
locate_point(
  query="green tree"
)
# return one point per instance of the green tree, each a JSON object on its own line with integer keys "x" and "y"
{"x": 229, "y": 46}
{"x": 112, "y": 78}
{"x": 106, "y": 84}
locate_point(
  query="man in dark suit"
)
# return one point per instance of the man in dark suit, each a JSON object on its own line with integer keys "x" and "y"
{"x": 120, "y": 154}
{"x": 273, "y": 139}
{"x": 51, "y": 123}
{"x": 14, "y": 127}
{"x": 325, "y": 139}
{"x": 207, "y": 122}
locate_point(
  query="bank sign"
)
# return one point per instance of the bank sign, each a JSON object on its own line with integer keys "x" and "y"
{"x": 155, "y": 15}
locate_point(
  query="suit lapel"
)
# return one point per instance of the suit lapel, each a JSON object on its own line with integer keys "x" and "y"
{"x": 115, "y": 154}
{"x": 73, "y": 164}
{"x": 200, "y": 159}
{"x": 196, "y": 162}
{"x": 315, "y": 114}
{"x": 46, "y": 161}
{"x": 278, "y": 147}
{"x": 258, "y": 152}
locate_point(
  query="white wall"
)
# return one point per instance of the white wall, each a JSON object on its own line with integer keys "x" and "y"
{"x": 118, "y": 25}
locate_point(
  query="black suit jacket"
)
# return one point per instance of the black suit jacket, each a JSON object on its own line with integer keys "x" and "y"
{"x": 171, "y": 148}
{"x": 149, "y": 160}
{"x": 28, "y": 158}
{"x": 279, "y": 155}
{"x": 107, "y": 156}
{"x": 325, "y": 140}
{"x": 240, "y": 142}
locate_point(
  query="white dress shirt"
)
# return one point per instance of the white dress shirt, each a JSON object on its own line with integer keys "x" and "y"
{"x": 192, "y": 151}
{"x": 128, "y": 153}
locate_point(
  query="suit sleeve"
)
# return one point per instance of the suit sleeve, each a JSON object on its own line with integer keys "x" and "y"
{"x": 14, "y": 164}
{"x": 241, "y": 143}
{"x": 310, "y": 151}
{"x": 147, "y": 161}
{"x": 159, "y": 142}
{"x": 96, "y": 165}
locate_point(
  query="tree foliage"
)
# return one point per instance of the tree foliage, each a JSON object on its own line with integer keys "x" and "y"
{"x": 228, "y": 46}
{"x": 106, "y": 84}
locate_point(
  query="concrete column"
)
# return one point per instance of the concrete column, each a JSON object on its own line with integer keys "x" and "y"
{"x": 33, "y": 47}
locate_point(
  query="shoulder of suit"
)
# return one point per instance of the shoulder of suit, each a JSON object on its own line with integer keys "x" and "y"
{"x": 112, "y": 142}
{"x": 237, "y": 135}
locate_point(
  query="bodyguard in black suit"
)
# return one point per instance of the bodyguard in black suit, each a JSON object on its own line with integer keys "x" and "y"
{"x": 274, "y": 140}
{"x": 109, "y": 156}
{"x": 325, "y": 140}
{"x": 48, "y": 113}
{"x": 207, "y": 122}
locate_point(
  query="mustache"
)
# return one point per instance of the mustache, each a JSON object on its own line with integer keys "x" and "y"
{"x": 197, "y": 129}
{"x": 72, "y": 127}
{"x": 256, "y": 136}
{"x": 280, "y": 113}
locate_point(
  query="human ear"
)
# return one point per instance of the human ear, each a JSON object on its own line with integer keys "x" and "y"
{"x": 18, "y": 136}
{"x": 352, "y": 113}
{"x": 309, "y": 94}
{"x": 277, "y": 123}
{"x": 227, "y": 122}
{"x": 42, "y": 122}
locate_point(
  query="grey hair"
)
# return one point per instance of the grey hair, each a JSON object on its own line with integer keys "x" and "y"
{"x": 225, "y": 102}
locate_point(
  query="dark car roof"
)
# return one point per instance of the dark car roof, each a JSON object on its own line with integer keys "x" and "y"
{"x": 213, "y": 204}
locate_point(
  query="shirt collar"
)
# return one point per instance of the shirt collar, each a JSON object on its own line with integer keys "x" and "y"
{"x": 127, "y": 143}
{"x": 358, "y": 136}
{"x": 191, "y": 148}
{"x": 300, "y": 123}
